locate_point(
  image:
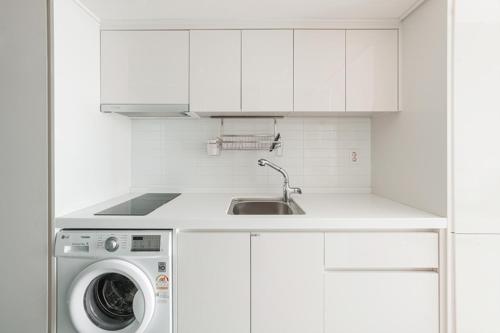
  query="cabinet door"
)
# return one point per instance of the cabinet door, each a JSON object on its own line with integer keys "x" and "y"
{"x": 215, "y": 70}
{"x": 144, "y": 67}
{"x": 287, "y": 283}
{"x": 381, "y": 302}
{"x": 477, "y": 283}
{"x": 213, "y": 283}
{"x": 319, "y": 70}
{"x": 372, "y": 70}
{"x": 267, "y": 70}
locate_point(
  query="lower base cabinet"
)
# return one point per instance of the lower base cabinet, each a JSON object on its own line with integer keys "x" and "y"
{"x": 213, "y": 294}
{"x": 287, "y": 282}
{"x": 477, "y": 283}
{"x": 381, "y": 302}
{"x": 291, "y": 282}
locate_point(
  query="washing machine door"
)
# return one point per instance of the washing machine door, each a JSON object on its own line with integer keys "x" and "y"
{"x": 111, "y": 296}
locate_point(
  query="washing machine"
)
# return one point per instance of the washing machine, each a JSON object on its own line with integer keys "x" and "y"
{"x": 114, "y": 281}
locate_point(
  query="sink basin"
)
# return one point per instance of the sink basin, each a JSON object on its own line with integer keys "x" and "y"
{"x": 264, "y": 207}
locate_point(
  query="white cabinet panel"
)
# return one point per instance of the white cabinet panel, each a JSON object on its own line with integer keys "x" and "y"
{"x": 477, "y": 283}
{"x": 372, "y": 70}
{"x": 381, "y": 302}
{"x": 267, "y": 70}
{"x": 148, "y": 67}
{"x": 213, "y": 282}
{"x": 394, "y": 250}
{"x": 215, "y": 70}
{"x": 287, "y": 283}
{"x": 476, "y": 117}
{"x": 319, "y": 70}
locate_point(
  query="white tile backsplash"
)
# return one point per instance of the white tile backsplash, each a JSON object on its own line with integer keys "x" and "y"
{"x": 171, "y": 155}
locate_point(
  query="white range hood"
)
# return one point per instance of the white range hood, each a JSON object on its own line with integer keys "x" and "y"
{"x": 150, "y": 110}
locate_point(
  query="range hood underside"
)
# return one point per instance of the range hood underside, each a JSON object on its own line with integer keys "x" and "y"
{"x": 150, "y": 110}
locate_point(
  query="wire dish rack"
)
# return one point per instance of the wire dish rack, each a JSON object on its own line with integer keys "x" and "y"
{"x": 268, "y": 142}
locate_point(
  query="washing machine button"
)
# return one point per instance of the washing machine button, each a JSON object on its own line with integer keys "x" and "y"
{"x": 111, "y": 244}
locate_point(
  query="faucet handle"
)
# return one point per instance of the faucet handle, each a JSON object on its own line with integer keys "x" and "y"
{"x": 297, "y": 190}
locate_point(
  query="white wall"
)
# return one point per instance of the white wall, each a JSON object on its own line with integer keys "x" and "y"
{"x": 24, "y": 166}
{"x": 409, "y": 148}
{"x": 171, "y": 155}
{"x": 92, "y": 150}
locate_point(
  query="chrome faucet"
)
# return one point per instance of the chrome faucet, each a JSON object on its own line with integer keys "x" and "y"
{"x": 287, "y": 190}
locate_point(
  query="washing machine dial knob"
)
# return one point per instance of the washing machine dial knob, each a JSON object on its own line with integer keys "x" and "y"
{"x": 111, "y": 244}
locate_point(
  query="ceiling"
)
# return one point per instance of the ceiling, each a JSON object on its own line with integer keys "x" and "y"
{"x": 211, "y": 10}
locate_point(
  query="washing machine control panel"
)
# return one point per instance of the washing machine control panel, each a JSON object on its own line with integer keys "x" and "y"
{"x": 112, "y": 243}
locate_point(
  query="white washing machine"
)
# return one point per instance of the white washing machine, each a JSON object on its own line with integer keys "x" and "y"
{"x": 114, "y": 281}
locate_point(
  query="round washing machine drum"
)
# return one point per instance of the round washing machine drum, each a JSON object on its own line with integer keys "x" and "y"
{"x": 111, "y": 296}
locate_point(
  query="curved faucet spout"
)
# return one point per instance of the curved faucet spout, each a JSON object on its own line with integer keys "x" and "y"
{"x": 287, "y": 190}
{"x": 264, "y": 162}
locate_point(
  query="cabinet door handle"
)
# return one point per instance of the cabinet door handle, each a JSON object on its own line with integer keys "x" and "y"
{"x": 254, "y": 235}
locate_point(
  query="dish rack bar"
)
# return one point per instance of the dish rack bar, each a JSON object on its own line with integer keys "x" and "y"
{"x": 267, "y": 142}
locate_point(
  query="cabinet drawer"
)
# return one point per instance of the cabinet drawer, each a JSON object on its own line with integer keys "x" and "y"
{"x": 373, "y": 250}
{"x": 382, "y": 302}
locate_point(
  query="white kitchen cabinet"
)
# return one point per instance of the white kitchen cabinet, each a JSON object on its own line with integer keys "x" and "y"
{"x": 477, "y": 283}
{"x": 267, "y": 70}
{"x": 381, "y": 302}
{"x": 287, "y": 282}
{"x": 290, "y": 282}
{"x": 213, "y": 282}
{"x": 372, "y": 70}
{"x": 144, "y": 67}
{"x": 215, "y": 70}
{"x": 319, "y": 70}
{"x": 382, "y": 250}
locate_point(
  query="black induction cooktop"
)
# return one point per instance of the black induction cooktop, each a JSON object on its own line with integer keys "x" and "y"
{"x": 140, "y": 206}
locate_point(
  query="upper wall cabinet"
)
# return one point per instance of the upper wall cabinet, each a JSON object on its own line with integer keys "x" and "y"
{"x": 215, "y": 70}
{"x": 252, "y": 70}
{"x": 267, "y": 70}
{"x": 319, "y": 70}
{"x": 372, "y": 70}
{"x": 144, "y": 67}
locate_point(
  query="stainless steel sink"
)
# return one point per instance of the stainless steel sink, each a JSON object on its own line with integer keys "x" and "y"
{"x": 264, "y": 207}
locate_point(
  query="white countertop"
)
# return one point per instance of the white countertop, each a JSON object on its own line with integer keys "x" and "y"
{"x": 209, "y": 212}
